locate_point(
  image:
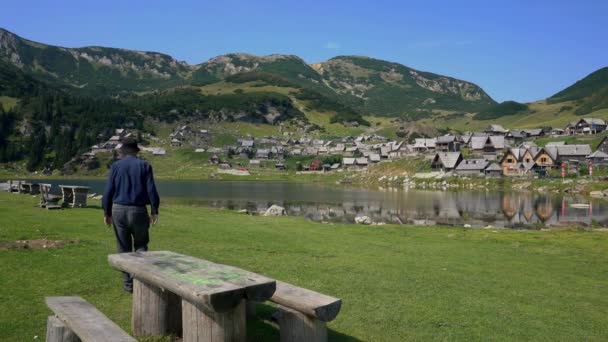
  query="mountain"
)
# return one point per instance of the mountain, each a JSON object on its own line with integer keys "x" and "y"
{"x": 588, "y": 94}
{"x": 92, "y": 68}
{"x": 391, "y": 89}
{"x": 358, "y": 84}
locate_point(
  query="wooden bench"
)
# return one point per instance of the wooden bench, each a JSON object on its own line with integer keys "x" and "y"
{"x": 14, "y": 186}
{"x": 30, "y": 188}
{"x": 303, "y": 314}
{"x": 74, "y": 196}
{"x": 77, "y": 320}
{"x": 48, "y": 200}
{"x": 207, "y": 300}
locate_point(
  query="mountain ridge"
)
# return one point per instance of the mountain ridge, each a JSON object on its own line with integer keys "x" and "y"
{"x": 107, "y": 70}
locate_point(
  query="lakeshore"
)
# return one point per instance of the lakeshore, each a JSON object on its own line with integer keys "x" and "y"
{"x": 397, "y": 282}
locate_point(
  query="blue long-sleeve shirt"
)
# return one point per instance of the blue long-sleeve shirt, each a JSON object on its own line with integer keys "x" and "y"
{"x": 130, "y": 182}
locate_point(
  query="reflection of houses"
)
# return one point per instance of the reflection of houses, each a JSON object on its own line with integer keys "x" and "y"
{"x": 446, "y": 161}
{"x": 544, "y": 209}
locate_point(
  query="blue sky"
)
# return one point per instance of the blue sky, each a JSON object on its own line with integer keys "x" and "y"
{"x": 515, "y": 50}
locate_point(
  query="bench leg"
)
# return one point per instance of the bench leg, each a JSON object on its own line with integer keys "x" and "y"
{"x": 156, "y": 312}
{"x": 297, "y": 327}
{"x": 201, "y": 325}
{"x": 56, "y": 331}
{"x": 251, "y": 309}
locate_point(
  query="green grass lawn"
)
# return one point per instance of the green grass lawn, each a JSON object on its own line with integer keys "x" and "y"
{"x": 398, "y": 283}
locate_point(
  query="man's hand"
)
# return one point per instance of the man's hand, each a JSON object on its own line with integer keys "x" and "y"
{"x": 154, "y": 218}
{"x": 107, "y": 220}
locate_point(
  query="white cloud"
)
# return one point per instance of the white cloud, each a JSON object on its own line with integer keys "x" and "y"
{"x": 332, "y": 46}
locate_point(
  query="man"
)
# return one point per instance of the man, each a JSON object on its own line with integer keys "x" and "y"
{"x": 130, "y": 187}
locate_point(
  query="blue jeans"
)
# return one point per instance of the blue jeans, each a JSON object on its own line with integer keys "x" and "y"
{"x": 131, "y": 224}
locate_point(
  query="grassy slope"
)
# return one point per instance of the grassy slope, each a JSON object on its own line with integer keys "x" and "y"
{"x": 398, "y": 283}
{"x": 546, "y": 115}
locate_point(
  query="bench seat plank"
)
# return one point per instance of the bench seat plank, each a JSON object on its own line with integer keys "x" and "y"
{"x": 324, "y": 308}
{"x": 86, "y": 321}
{"x": 217, "y": 287}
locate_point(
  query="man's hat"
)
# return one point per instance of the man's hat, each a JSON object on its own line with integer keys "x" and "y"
{"x": 129, "y": 145}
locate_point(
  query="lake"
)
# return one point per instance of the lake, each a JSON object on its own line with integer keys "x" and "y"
{"x": 342, "y": 204}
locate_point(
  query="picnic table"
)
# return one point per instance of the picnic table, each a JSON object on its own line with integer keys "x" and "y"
{"x": 74, "y": 196}
{"x": 207, "y": 300}
{"x": 30, "y": 188}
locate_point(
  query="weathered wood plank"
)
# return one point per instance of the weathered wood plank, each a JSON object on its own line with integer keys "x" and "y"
{"x": 201, "y": 325}
{"x": 56, "y": 331}
{"x": 298, "y": 327}
{"x": 217, "y": 287}
{"x": 86, "y": 321}
{"x": 312, "y": 303}
{"x": 156, "y": 312}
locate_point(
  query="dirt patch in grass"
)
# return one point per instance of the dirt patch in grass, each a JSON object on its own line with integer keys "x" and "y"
{"x": 34, "y": 244}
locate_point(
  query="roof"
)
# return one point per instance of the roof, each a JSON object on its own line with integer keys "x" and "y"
{"x": 574, "y": 150}
{"x": 551, "y": 151}
{"x": 448, "y": 159}
{"x": 477, "y": 143}
{"x": 374, "y": 157}
{"x": 496, "y": 128}
{"x": 498, "y": 142}
{"x": 598, "y": 154}
{"x": 362, "y": 161}
{"x": 472, "y": 164}
{"x": 594, "y": 121}
{"x": 493, "y": 167}
{"x": 534, "y": 131}
{"x": 424, "y": 142}
{"x": 446, "y": 139}
{"x": 348, "y": 161}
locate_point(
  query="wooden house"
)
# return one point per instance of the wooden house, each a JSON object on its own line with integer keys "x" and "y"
{"x": 603, "y": 145}
{"x": 423, "y": 145}
{"x": 546, "y": 158}
{"x": 447, "y": 143}
{"x": 446, "y": 161}
{"x": 517, "y": 161}
{"x": 586, "y": 126}
{"x": 487, "y": 144}
{"x": 316, "y": 165}
{"x": 493, "y": 170}
{"x": 567, "y": 153}
{"x": 496, "y": 130}
{"x": 472, "y": 167}
{"x": 597, "y": 157}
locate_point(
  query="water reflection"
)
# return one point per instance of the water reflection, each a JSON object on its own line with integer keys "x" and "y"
{"x": 331, "y": 204}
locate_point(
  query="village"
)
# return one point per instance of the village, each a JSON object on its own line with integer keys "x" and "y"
{"x": 494, "y": 152}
